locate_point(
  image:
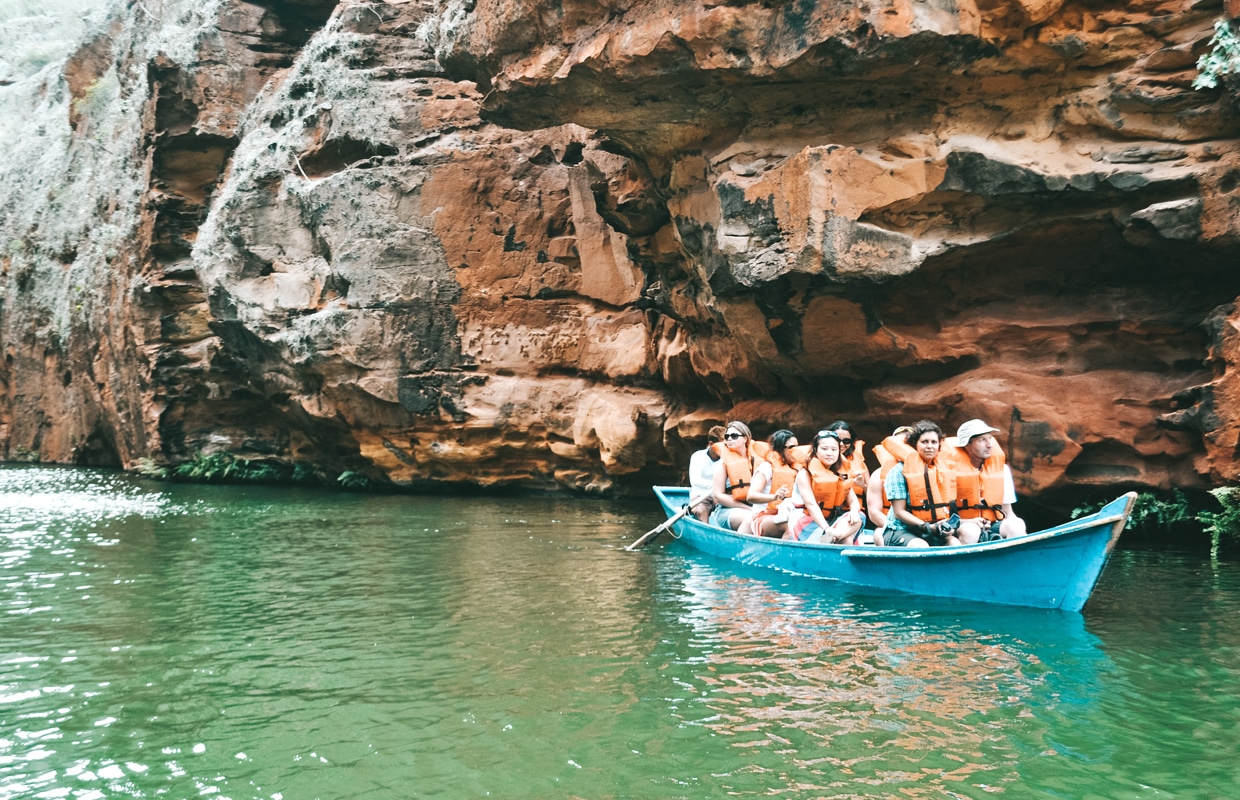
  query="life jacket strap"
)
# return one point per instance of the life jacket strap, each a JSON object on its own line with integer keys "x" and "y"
{"x": 930, "y": 505}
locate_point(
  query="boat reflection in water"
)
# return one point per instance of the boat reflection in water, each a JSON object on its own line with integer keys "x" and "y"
{"x": 895, "y": 694}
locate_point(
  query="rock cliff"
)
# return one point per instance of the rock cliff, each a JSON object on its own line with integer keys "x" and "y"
{"x": 547, "y": 245}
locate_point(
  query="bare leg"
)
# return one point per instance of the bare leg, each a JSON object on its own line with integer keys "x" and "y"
{"x": 842, "y": 530}
{"x": 770, "y": 528}
{"x": 1012, "y": 526}
{"x": 969, "y": 532}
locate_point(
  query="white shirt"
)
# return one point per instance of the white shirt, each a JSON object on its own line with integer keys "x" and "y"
{"x": 701, "y": 476}
{"x": 1009, "y": 486}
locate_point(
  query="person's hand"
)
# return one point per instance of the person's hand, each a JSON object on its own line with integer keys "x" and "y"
{"x": 781, "y": 493}
{"x": 933, "y": 532}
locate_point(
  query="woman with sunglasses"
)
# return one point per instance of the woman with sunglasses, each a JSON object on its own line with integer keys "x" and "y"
{"x": 734, "y": 473}
{"x": 852, "y": 449}
{"x": 773, "y": 478}
{"x": 832, "y": 512}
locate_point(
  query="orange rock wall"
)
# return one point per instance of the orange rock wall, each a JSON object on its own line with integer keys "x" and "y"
{"x": 548, "y": 245}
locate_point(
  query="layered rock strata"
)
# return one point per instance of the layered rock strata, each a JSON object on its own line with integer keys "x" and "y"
{"x": 544, "y": 246}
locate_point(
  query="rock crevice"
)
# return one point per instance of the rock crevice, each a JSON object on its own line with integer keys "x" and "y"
{"x": 547, "y": 245}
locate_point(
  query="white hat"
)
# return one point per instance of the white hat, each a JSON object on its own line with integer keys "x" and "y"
{"x": 974, "y": 427}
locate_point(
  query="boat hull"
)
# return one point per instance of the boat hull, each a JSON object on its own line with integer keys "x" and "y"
{"x": 1054, "y": 568}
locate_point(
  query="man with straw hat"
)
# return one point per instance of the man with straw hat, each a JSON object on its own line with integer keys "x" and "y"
{"x": 985, "y": 491}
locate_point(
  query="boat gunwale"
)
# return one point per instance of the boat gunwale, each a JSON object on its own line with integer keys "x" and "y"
{"x": 945, "y": 551}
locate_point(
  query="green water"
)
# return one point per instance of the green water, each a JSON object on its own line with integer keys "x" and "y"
{"x": 178, "y": 641}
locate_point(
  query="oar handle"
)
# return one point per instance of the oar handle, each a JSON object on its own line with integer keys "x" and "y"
{"x": 653, "y": 533}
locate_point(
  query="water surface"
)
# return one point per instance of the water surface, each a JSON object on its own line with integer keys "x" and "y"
{"x": 176, "y": 641}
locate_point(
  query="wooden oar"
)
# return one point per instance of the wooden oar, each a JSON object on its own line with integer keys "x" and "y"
{"x": 651, "y": 535}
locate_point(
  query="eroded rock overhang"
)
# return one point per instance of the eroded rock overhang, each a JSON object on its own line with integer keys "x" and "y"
{"x": 1020, "y": 211}
{"x": 547, "y": 246}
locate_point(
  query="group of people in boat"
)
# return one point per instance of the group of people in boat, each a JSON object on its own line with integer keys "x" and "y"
{"x": 929, "y": 490}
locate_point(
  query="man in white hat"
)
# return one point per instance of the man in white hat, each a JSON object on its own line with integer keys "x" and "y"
{"x": 984, "y": 487}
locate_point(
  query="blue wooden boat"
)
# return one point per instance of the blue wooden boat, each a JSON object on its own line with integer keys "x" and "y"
{"x": 1054, "y": 568}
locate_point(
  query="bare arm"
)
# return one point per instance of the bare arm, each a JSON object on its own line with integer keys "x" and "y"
{"x": 874, "y": 500}
{"x": 900, "y": 511}
{"x": 758, "y": 491}
{"x": 861, "y": 477}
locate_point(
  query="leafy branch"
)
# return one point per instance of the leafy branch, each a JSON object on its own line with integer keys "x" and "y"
{"x": 1223, "y": 58}
{"x": 1152, "y": 514}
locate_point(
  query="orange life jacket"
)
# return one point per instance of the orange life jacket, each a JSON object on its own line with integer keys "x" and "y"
{"x": 931, "y": 489}
{"x": 800, "y": 455}
{"x": 830, "y": 489}
{"x": 892, "y": 451}
{"x": 782, "y": 475}
{"x": 740, "y": 468}
{"x": 979, "y": 492}
{"x": 856, "y": 466}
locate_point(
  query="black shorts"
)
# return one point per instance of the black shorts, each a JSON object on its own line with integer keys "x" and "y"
{"x": 993, "y": 534}
{"x": 893, "y": 537}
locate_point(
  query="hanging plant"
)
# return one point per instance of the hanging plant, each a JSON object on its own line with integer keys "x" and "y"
{"x": 1223, "y": 58}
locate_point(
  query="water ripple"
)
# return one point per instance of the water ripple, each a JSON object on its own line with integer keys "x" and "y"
{"x": 223, "y": 642}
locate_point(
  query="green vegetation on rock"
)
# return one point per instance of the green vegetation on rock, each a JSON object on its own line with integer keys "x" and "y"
{"x": 1223, "y": 58}
{"x": 1225, "y": 521}
{"x": 1217, "y": 514}
{"x": 228, "y": 468}
{"x": 223, "y": 467}
{"x": 1152, "y": 513}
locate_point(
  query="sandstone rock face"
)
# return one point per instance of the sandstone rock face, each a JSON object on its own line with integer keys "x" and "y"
{"x": 548, "y": 245}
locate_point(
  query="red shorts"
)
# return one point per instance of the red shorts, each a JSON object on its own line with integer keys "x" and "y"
{"x": 802, "y": 527}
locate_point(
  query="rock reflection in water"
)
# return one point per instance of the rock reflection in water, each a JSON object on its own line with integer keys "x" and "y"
{"x": 918, "y": 697}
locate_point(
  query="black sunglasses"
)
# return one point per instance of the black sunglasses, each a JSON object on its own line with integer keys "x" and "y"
{"x": 730, "y": 435}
